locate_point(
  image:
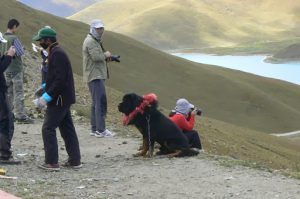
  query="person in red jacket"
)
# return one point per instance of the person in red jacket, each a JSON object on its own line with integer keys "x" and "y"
{"x": 184, "y": 116}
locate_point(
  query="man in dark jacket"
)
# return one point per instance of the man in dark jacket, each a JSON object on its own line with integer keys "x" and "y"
{"x": 59, "y": 95}
{"x": 6, "y": 116}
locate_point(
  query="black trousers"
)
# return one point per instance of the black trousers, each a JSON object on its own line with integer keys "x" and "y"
{"x": 60, "y": 116}
{"x": 6, "y": 127}
{"x": 193, "y": 138}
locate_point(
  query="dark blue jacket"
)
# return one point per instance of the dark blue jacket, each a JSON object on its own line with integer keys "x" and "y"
{"x": 4, "y": 63}
{"x": 59, "y": 81}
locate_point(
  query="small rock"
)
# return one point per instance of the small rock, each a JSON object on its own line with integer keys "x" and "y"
{"x": 124, "y": 142}
{"x": 80, "y": 187}
{"x": 97, "y": 156}
{"x": 24, "y": 132}
{"x": 116, "y": 179}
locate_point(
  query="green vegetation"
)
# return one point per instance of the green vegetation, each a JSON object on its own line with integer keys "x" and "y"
{"x": 239, "y": 108}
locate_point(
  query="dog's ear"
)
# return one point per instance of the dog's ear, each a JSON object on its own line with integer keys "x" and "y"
{"x": 133, "y": 98}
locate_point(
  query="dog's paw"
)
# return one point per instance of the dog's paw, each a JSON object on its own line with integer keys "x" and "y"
{"x": 138, "y": 154}
{"x": 148, "y": 155}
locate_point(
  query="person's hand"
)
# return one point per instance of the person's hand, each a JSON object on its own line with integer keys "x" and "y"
{"x": 40, "y": 103}
{"x": 39, "y": 92}
{"x": 107, "y": 54}
{"x": 11, "y": 51}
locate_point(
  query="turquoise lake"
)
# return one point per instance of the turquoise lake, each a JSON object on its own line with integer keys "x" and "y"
{"x": 252, "y": 64}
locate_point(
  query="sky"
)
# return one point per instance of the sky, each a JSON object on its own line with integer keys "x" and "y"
{"x": 62, "y": 8}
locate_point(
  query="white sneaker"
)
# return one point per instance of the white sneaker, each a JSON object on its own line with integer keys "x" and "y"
{"x": 108, "y": 133}
{"x": 92, "y": 133}
{"x": 99, "y": 135}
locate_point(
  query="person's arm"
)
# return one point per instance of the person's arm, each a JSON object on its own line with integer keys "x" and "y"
{"x": 183, "y": 123}
{"x": 4, "y": 63}
{"x": 6, "y": 59}
{"x": 55, "y": 87}
{"x": 19, "y": 47}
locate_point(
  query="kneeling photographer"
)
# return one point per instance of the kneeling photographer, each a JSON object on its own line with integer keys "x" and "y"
{"x": 184, "y": 116}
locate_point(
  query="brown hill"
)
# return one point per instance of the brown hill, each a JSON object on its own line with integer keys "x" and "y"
{"x": 177, "y": 24}
{"x": 288, "y": 54}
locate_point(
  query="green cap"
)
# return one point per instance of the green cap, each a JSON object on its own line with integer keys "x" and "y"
{"x": 43, "y": 33}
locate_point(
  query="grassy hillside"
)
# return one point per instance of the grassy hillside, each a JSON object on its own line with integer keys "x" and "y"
{"x": 195, "y": 24}
{"x": 70, "y": 33}
{"x": 227, "y": 96}
{"x": 235, "y": 97}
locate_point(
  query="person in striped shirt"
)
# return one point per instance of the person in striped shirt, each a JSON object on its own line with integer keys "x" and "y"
{"x": 14, "y": 74}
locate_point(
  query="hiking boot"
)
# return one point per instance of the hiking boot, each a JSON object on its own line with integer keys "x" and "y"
{"x": 49, "y": 167}
{"x": 24, "y": 120}
{"x": 68, "y": 164}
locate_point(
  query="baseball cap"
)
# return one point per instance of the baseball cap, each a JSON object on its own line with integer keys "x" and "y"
{"x": 183, "y": 106}
{"x": 97, "y": 23}
{"x": 43, "y": 33}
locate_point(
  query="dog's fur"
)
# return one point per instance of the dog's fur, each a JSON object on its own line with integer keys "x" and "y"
{"x": 162, "y": 129}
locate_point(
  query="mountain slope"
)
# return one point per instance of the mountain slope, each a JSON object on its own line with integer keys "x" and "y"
{"x": 288, "y": 54}
{"x": 194, "y": 24}
{"x": 231, "y": 96}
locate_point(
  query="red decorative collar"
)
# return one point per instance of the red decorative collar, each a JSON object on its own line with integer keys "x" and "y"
{"x": 148, "y": 99}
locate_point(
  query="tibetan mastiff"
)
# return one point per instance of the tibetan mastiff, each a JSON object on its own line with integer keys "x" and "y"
{"x": 142, "y": 112}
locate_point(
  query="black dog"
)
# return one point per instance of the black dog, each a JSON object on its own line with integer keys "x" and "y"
{"x": 154, "y": 126}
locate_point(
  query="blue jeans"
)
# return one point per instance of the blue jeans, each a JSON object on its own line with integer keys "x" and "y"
{"x": 99, "y": 104}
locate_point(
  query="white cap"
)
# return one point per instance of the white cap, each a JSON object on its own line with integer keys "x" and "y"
{"x": 183, "y": 106}
{"x": 2, "y": 40}
{"x": 97, "y": 23}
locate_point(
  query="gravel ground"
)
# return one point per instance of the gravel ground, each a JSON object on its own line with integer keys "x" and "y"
{"x": 110, "y": 171}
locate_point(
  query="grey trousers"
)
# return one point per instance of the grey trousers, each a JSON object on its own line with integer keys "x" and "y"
{"x": 99, "y": 104}
{"x": 15, "y": 94}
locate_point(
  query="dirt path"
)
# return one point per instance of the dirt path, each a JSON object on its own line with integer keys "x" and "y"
{"x": 110, "y": 171}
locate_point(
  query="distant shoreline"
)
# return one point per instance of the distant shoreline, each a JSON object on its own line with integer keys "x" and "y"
{"x": 254, "y": 64}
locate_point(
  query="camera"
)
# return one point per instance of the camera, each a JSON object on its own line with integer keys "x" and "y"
{"x": 197, "y": 111}
{"x": 115, "y": 58}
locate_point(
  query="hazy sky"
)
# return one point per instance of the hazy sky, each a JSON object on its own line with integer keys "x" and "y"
{"x": 61, "y": 8}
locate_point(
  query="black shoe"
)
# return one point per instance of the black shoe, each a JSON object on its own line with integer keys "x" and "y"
{"x": 49, "y": 167}
{"x": 9, "y": 160}
{"x": 25, "y": 120}
{"x": 72, "y": 166}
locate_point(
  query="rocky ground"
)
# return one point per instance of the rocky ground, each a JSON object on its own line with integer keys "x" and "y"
{"x": 110, "y": 171}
